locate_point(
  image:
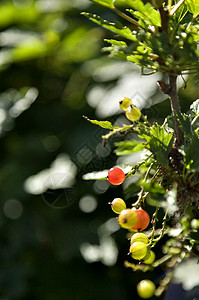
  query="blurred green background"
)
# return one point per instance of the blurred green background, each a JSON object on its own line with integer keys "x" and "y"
{"x": 58, "y": 236}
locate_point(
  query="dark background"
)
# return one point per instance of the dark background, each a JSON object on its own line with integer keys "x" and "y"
{"x": 47, "y": 45}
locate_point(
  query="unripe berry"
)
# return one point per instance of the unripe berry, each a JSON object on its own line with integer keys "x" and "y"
{"x": 127, "y": 217}
{"x": 116, "y": 176}
{"x": 125, "y": 103}
{"x": 138, "y": 250}
{"x": 149, "y": 260}
{"x": 146, "y": 289}
{"x": 118, "y": 205}
{"x": 139, "y": 237}
{"x": 133, "y": 113}
{"x": 143, "y": 220}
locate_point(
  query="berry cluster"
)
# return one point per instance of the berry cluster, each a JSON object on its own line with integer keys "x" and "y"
{"x": 132, "y": 112}
{"x": 134, "y": 220}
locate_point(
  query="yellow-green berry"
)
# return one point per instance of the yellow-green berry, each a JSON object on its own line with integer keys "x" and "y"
{"x": 146, "y": 289}
{"x": 138, "y": 250}
{"x": 139, "y": 237}
{"x": 118, "y": 205}
{"x": 127, "y": 217}
{"x": 125, "y": 103}
{"x": 133, "y": 113}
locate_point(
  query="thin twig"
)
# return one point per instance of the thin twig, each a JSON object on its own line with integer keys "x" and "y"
{"x": 154, "y": 241}
{"x": 175, "y": 8}
{"x": 153, "y": 221}
{"x": 128, "y": 18}
{"x": 124, "y": 16}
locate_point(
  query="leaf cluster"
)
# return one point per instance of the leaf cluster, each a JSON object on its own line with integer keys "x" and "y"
{"x": 154, "y": 36}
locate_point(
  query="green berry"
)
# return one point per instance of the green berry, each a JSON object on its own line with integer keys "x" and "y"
{"x": 133, "y": 113}
{"x": 125, "y": 103}
{"x": 138, "y": 250}
{"x": 127, "y": 217}
{"x": 149, "y": 260}
{"x": 139, "y": 237}
{"x": 146, "y": 289}
{"x": 118, "y": 205}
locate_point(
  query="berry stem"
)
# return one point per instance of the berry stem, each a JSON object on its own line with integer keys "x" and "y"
{"x": 154, "y": 241}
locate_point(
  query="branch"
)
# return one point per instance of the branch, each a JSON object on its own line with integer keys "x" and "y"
{"x": 129, "y": 19}
{"x": 175, "y": 108}
{"x": 171, "y": 90}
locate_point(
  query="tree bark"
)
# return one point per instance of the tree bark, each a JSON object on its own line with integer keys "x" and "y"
{"x": 175, "y": 108}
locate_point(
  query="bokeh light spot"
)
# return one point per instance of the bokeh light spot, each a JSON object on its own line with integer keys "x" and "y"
{"x": 88, "y": 204}
{"x": 13, "y": 209}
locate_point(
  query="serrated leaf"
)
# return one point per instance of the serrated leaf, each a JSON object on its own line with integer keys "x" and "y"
{"x": 159, "y": 142}
{"x": 195, "y": 107}
{"x": 107, "y": 3}
{"x": 117, "y": 28}
{"x": 193, "y": 7}
{"x": 116, "y": 49}
{"x": 146, "y": 12}
{"x": 116, "y": 43}
{"x": 185, "y": 124}
{"x": 103, "y": 124}
{"x": 126, "y": 147}
{"x": 181, "y": 12}
{"x": 192, "y": 154}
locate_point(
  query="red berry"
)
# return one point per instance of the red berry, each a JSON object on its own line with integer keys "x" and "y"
{"x": 143, "y": 220}
{"x": 116, "y": 176}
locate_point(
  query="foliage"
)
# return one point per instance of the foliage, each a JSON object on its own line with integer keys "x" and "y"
{"x": 161, "y": 36}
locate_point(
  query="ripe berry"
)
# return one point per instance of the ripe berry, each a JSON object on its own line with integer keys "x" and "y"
{"x": 143, "y": 220}
{"x": 146, "y": 289}
{"x": 116, "y": 176}
{"x": 125, "y": 103}
{"x": 149, "y": 260}
{"x": 127, "y": 218}
{"x": 133, "y": 113}
{"x": 139, "y": 237}
{"x": 118, "y": 205}
{"x": 138, "y": 250}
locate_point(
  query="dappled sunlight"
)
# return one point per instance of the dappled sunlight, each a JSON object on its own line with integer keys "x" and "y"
{"x": 61, "y": 174}
{"x": 106, "y": 251}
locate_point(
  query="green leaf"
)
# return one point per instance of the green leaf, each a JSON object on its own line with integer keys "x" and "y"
{"x": 103, "y": 124}
{"x": 126, "y": 147}
{"x": 192, "y": 154}
{"x": 107, "y": 3}
{"x": 193, "y": 236}
{"x": 185, "y": 124}
{"x": 145, "y": 12}
{"x": 116, "y": 49}
{"x": 116, "y": 43}
{"x": 167, "y": 201}
{"x": 195, "y": 107}
{"x": 193, "y": 7}
{"x": 159, "y": 142}
{"x": 117, "y": 28}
